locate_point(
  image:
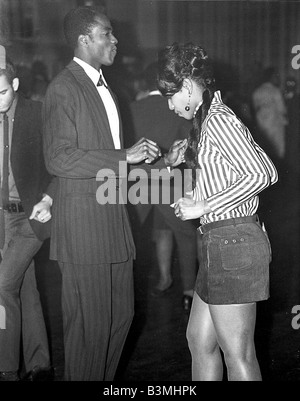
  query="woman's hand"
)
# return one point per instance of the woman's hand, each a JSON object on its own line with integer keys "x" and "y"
{"x": 175, "y": 156}
{"x": 189, "y": 209}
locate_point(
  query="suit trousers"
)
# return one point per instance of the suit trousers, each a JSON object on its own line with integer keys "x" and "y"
{"x": 20, "y": 298}
{"x": 98, "y": 308}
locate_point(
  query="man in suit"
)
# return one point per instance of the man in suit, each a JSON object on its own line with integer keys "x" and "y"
{"x": 24, "y": 224}
{"x": 92, "y": 243}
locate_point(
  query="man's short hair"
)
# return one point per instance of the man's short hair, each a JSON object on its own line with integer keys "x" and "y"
{"x": 9, "y": 71}
{"x": 79, "y": 21}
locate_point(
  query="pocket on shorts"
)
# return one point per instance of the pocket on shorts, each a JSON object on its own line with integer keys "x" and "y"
{"x": 235, "y": 253}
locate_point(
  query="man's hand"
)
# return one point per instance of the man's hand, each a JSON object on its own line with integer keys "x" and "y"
{"x": 41, "y": 211}
{"x": 144, "y": 150}
{"x": 175, "y": 156}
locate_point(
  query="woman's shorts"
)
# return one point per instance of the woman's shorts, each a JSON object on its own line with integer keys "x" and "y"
{"x": 234, "y": 262}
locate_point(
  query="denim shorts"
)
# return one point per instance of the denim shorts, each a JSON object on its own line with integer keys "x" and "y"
{"x": 234, "y": 262}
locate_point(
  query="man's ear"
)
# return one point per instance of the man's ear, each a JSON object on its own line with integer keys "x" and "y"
{"x": 15, "y": 84}
{"x": 82, "y": 40}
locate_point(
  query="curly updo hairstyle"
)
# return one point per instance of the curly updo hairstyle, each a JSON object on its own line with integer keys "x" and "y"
{"x": 175, "y": 63}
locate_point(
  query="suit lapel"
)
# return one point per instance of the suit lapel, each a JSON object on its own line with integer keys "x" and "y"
{"x": 95, "y": 104}
{"x": 119, "y": 114}
{"x": 20, "y": 126}
{"x": 18, "y": 118}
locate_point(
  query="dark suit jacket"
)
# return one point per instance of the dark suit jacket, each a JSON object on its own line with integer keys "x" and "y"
{"x": 152, "y": 118}
{"x": 77, "y": 144}
{"x": 30, "y": 174}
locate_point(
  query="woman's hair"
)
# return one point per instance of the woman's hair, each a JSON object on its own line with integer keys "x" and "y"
{"x": 175, "y": 63}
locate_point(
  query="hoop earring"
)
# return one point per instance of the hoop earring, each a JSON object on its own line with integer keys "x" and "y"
{"x": 187, "y": 107}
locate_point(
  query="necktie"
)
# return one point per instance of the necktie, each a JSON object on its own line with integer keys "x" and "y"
{"x": 101, "y": 82}
{"x": 4, "y": 188}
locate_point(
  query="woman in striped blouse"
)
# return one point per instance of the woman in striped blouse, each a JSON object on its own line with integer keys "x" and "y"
{"x": 229, "y": 171}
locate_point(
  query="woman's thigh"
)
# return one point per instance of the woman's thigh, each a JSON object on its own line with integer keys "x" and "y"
{"x": 234, "y": 326}
{"x": 201, "y": 331}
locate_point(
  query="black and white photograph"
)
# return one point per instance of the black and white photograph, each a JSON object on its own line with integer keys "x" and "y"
{"x": 149, "y": 193}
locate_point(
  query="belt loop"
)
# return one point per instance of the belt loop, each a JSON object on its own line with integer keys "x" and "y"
{"x": 14, "y": 207}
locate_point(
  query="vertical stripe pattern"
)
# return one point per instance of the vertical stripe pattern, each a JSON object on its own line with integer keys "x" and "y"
{"x": 97, "y": 305}
{"x": 233, "y": 168}
{"x": 77, "y": 145}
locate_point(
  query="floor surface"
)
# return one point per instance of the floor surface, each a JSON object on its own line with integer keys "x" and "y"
{"x": 156, "y": 347}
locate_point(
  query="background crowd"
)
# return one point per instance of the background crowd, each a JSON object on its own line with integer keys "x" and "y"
{"x": 268, "y": 102}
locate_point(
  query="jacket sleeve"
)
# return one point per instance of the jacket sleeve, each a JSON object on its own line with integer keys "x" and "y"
{"x": 63, "y": 156}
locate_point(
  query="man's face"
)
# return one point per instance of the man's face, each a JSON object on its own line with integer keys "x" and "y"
{"x": 102, "y": 43}
{"x": 7, "y": 93}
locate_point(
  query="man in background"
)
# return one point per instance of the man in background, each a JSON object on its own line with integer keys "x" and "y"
{"x": 151, "y": 117}
{"x": 24, "y": 212}
{"x": 271, "y": 116}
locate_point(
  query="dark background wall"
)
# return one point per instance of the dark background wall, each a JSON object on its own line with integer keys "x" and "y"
{"x": 241, "y": 36}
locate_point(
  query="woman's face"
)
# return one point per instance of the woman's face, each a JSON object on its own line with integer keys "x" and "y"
{"x": 189, "y": 95}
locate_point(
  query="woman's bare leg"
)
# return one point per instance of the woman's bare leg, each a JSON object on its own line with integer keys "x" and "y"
{"x": 235, "y": 325}
{"x": 207, "y": 363}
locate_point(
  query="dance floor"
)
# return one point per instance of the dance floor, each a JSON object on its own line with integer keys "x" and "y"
{"x": 156, "y": 349}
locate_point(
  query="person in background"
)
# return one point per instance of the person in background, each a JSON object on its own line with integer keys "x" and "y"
{"x": 26, "y": 198}
{"x": 152, "y": 118}
{"x": 292, "y": 101}
{"x": 92, "y": 241}
{"x": 271, "y": 117}
{"x": 40, "y": 80}
{"x": 230, "y": 171}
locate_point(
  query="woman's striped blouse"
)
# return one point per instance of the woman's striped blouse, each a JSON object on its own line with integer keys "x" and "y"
{"x": 233, "y": 168}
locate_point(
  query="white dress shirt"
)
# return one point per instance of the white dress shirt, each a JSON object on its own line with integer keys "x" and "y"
{"x": 109, "y": 104}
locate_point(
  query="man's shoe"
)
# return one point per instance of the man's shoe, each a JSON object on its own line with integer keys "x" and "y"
{"x": 9, "y": 377}
{"x": 38, "y": 374}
